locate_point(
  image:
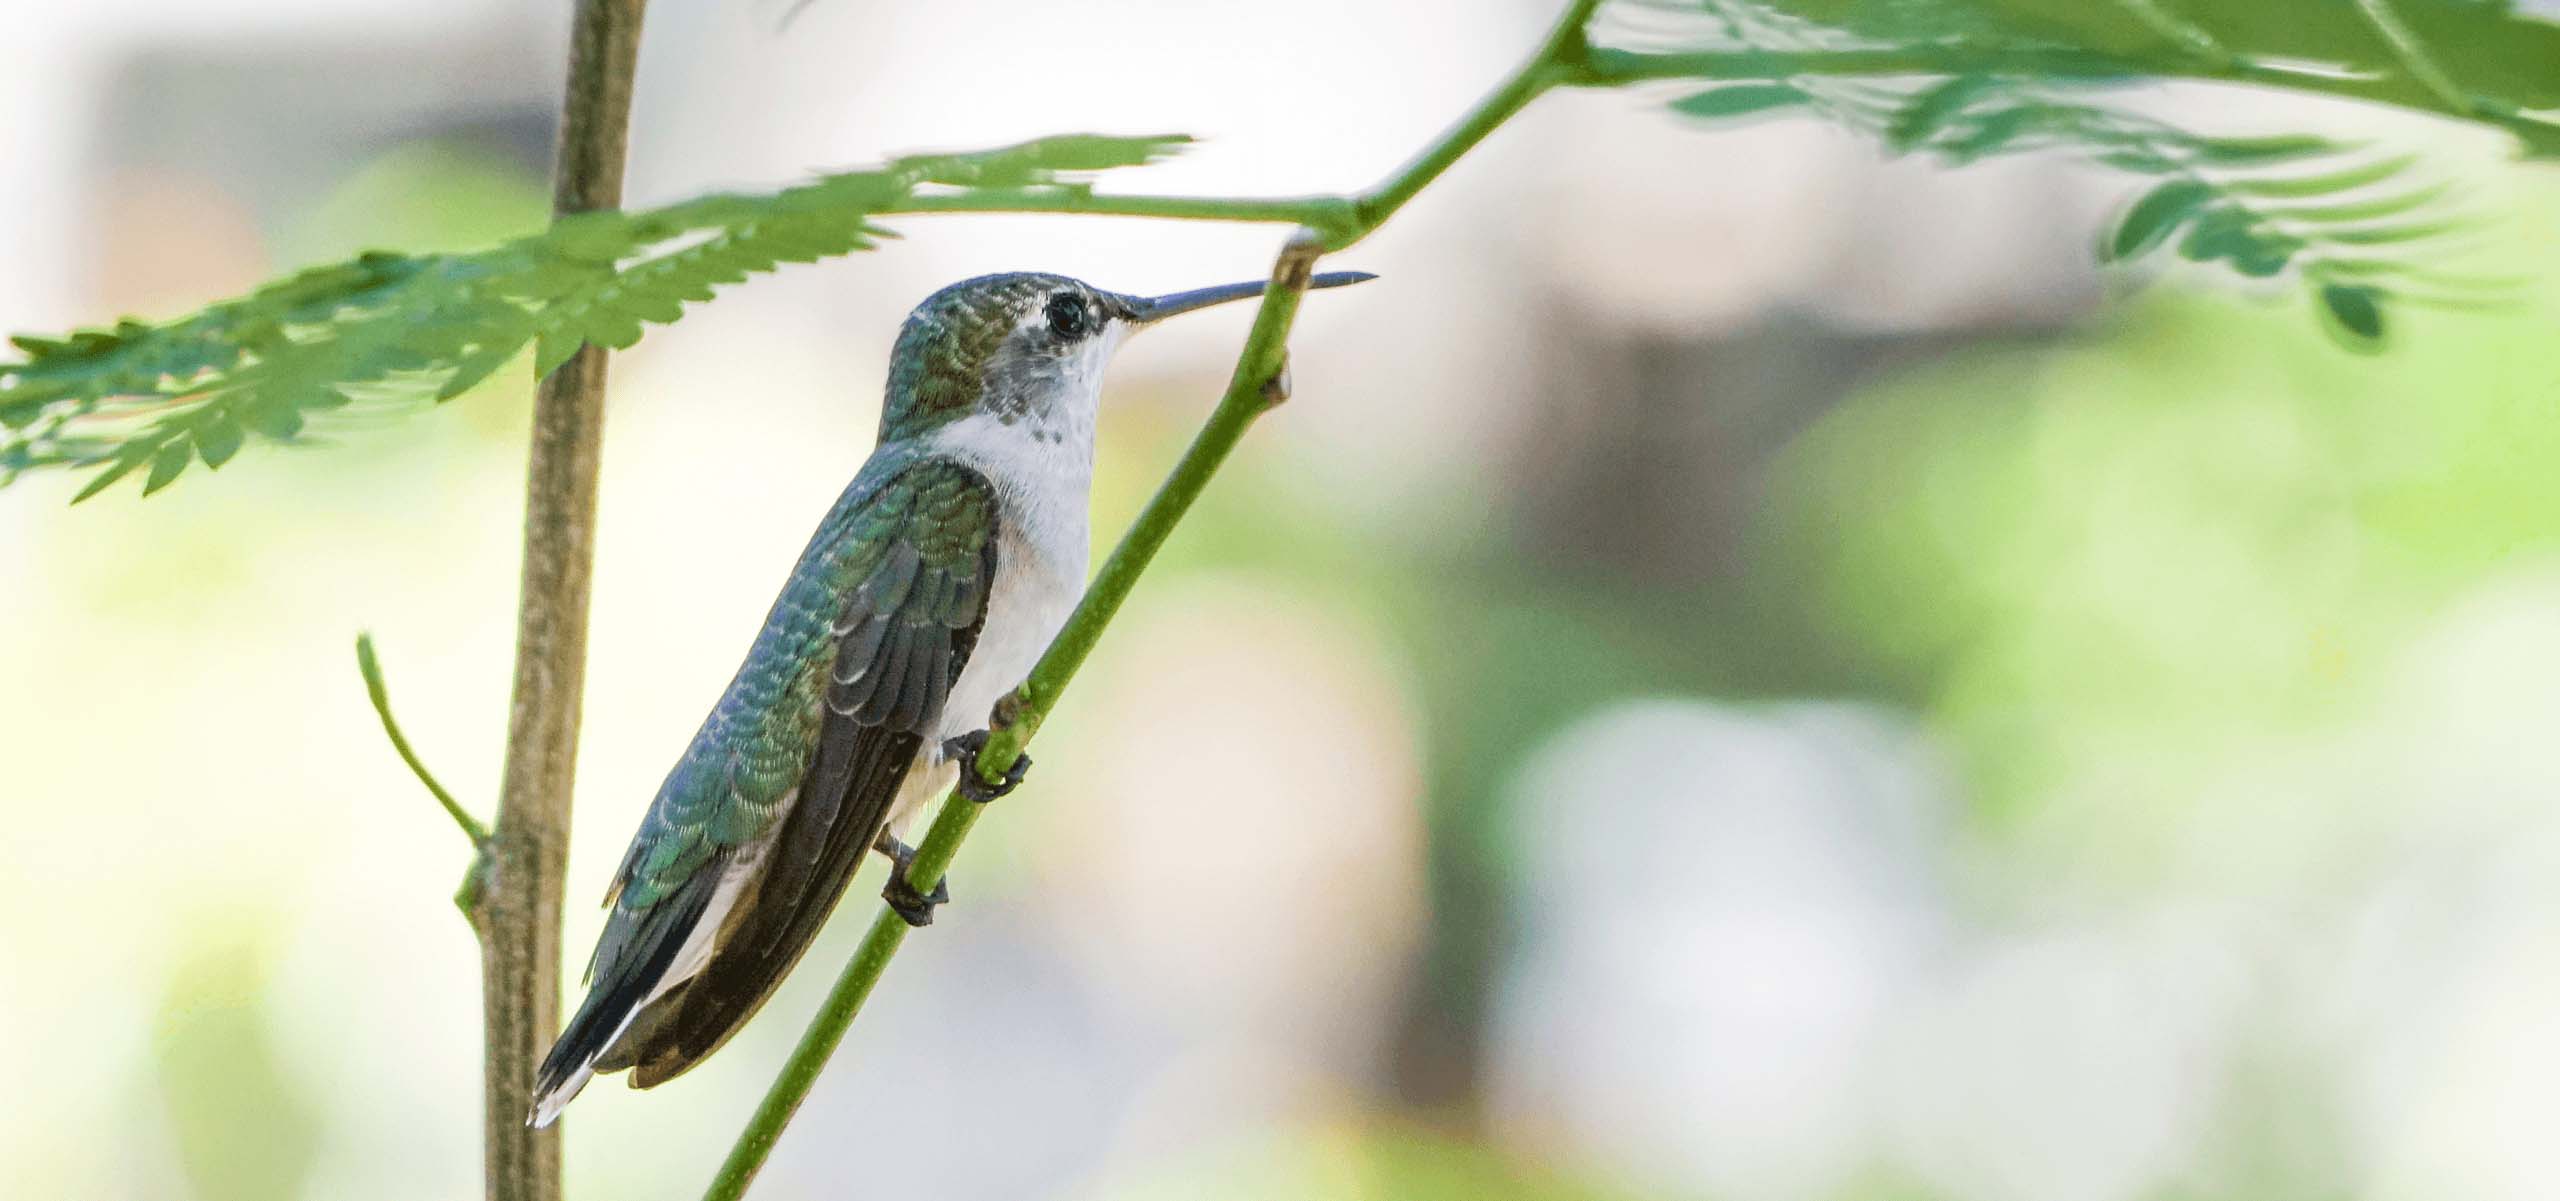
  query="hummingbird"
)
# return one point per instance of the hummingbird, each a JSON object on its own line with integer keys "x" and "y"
{"x": 930, "y": 588}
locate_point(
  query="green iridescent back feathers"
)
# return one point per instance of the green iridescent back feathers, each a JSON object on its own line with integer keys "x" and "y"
{"x": 796, "y": 766}
{"x": 908, "y": 550}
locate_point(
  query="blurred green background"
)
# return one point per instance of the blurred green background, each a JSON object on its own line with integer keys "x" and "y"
{"x": 1747, "y": 671}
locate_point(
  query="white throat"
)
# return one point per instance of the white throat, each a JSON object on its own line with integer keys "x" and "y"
{"x": 1040, "y": 461}
{"x": 1043, "y": 474}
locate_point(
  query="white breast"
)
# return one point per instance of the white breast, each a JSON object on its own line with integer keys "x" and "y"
{"x": 1040, "y": 459}
{"x": 1044, "y": 480}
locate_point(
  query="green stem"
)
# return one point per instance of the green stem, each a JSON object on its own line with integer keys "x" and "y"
{"x": 1317, "y": 212}
{"x": 2413, "y": 55}
{"x": 2179, "y": 31}
{"x": 371, "y": 668}
{"x": 1258, "y": 383}
{"x": 1605, "y": 68}
{"x": 1561, "y": 58}
{"x": 1250, "y": 392}
{"x": 817, "y": 1045}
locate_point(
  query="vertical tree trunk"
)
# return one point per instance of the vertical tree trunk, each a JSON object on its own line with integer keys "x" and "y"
{"x": 519, "y": 915}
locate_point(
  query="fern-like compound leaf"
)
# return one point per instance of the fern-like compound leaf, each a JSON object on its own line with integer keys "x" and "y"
{"x": 383, "y": 331}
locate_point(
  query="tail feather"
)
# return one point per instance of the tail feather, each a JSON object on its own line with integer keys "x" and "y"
{"x": 625, "y": 984}
{"x": 813, "y": 860}
{"x": 572, "y": 1061}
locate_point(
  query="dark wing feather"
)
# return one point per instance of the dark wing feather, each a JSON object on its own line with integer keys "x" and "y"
{"x": 643, "y": 955}
{"x": 903, "y": 639}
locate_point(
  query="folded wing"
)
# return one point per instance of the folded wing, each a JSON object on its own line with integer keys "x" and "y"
{"x": 902, "y": 636}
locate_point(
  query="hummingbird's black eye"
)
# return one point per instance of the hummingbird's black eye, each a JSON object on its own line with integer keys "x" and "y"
{"x": 1069, "y": 316}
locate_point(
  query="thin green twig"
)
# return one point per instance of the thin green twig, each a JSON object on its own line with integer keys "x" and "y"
{"x": 475, "y": 879}
{"x": 1316, "y": 212}
{"x": 2413, "y": 55}
{"x": 1257, "y": 384}
{"x": 371, "y": 666}
{"x": 2178, "y": 30}
{"x": 1564, "y": 56}
{"x": 1020, "y": 713}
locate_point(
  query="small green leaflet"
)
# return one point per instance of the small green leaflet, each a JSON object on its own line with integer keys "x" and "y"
{"x": 2154, "y": 217}
{"x": 2354, "y": 312}
{"x": 1741, "y": 100}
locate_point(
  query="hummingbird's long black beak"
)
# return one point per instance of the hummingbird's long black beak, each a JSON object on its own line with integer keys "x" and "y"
{"x": 1147, "y": 310}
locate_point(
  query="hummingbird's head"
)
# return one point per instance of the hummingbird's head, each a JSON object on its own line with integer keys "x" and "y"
{"x": 1026, "y": 348}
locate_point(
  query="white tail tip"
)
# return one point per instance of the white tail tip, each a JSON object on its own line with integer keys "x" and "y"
{"x": 547, "y": 1105}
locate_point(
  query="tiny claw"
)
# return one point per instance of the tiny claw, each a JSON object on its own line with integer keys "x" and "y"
{"x": 912, "y": 907}
{"x": 964, "y": 749}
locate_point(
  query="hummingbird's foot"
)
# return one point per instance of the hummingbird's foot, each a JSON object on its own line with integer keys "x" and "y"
{"x": 964, "y": 749}
{"x": 915, "y": 908}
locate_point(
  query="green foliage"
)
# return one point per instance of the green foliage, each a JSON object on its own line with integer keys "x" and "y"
{"x": 2478, "y": 58}
{"x": 2349, "y": 224}
{"x": 1960, "y": 80}
{"x": 391, "y": 329}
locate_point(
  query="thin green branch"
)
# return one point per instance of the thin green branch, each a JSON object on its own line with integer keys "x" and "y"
{"x": 1316, "y": 212}
{"x": 1560, "y": 59}
{"x": 1607, "y": 68}
{"x": 1251, "y": 392}
{"x": 1339, "y": 220}
{"x": 2184, "y": 33}
{"x": 1258, "y": 383}
{"x": 475, "y": 879}
{"x": 2413, "y": 55}
{"x": 374, "y": 687}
